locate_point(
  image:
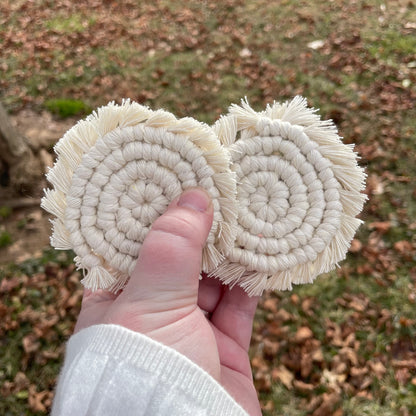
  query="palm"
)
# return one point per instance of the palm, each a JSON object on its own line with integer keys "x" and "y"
{"x": 203, "y": 320}
{"x": 222, "y": 338}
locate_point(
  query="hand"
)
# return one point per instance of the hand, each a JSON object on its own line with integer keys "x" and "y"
{"x": 165, "y": 300}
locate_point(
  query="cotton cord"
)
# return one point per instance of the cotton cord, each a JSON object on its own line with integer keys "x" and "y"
{"x": 285, "y": 191}
{"x": 298, "y": 192}
{"x": 116, "y": 173}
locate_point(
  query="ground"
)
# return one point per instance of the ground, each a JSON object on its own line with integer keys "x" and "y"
{"x": 342, "y": 346}
{"x": 29, "y": 226}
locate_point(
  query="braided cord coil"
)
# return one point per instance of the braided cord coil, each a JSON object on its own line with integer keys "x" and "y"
{"x": 298, "y": 192}
{"x": 116, "y": 173}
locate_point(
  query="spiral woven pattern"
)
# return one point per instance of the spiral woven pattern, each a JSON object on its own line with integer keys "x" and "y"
{"x": 116, "y": 173}
{"x": 298, "y": 192}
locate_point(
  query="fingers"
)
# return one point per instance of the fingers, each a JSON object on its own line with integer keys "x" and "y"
{"x": 234, "y": 315}
{"x": 170, "y": 258}
{"x": 209, "y": 294}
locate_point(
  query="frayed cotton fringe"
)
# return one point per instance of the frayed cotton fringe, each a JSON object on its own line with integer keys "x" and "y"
{"x": 287, "y": 120}
{"x": 89, "y": 152}
{"x": 106, "y": 141}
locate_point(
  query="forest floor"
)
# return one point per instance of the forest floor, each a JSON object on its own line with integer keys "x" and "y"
{"x": 343, "y": 346}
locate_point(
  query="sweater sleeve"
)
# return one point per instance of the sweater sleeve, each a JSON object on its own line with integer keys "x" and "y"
{"x": 110, "y": 370}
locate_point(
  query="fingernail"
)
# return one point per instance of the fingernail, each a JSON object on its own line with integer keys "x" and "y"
{"x": 195, "y": 199}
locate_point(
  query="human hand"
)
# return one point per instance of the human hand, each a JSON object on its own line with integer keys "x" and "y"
{"x": 165, "y": 300}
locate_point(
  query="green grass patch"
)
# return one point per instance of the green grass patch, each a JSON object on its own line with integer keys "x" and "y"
{"x": 70, "y": 24}
{"x": 5, "y": 238}
{"x": 392, "y": 44}
{"x": 284, "y": 402}
{"x": 5, "y": 212}
{"x": 65, "y": 107}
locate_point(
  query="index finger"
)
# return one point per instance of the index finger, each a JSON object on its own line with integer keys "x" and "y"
{"x": 234, "y": 315}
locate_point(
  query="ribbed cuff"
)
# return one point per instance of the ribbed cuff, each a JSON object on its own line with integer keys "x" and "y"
{"x": 167, "y": 364}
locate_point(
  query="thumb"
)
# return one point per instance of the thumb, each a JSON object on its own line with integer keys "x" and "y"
{"x": 169, "y": 262}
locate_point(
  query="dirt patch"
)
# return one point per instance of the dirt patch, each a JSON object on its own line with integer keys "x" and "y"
{"x": 26, "y": 225}
{"x": 42, "y": 130}
{"x": 29, "y": 230}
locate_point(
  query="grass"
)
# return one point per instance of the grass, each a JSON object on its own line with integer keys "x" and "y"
{"x": 65, "y": 107}
{"x": 5, "y": 212}
{"x": 75, "y": 23}
{"x": 5, "y": 238}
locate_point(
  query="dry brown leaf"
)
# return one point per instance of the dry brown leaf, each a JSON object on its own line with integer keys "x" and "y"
{"x": 258, "y": 363}
{"x": 7, "y": 285}
{"x": 403, "y": 246}
{"x": 377, "y": 368}
{"x": 283, "y": 315}
{"x": 338, "y": 366}
{"x": 314, "y": 403}
{"x": 302, "y": 386}
{"x": 375, "y": 185}
{"x": 380, "y": 226}
{"x": 306, "y": 365}
{"x": 350, "y": 355}
{"x": 307, "y": 305}
{"x": 268, "y": 406}
{"x": 294, "y": 298}
{"x": 302, "y": 334}
{"x": 334, "y": 333}
{"x": 359, "y": 304}
{"x": 20, "y": 382}
{"x": 262, "y": 380}
{"x": 270, "y": 348}
{"x": 356, "y": 246}
{"x": 285, "y": 376}
{"x": 327, "y": 408}
{"x": 402, "y": 375}
{"x": 365, "y": 394}
{"x": 271, "y": 305}
{"x": 30, "y": 343}
{"x": 39, "y": 401}
{"x": 4, "y": 310}
{"x": 317, "y": 355}
{"x": 332, "y": 380}
{"x": 411, "y": 363}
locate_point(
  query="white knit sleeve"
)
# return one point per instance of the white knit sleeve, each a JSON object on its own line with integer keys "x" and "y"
{"x": 110, "y": 370}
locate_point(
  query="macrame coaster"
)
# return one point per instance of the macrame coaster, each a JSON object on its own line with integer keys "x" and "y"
{"x": 116, "y": 173}
{"x": 298, "y": 190}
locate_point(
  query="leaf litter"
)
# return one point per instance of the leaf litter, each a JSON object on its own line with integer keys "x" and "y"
{"x": 346, "y": 342}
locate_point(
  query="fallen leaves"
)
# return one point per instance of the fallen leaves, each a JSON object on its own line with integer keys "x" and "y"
{"x": 285, "y": 376}
{"x": 39, "y": 401}
{"x": 302, "y": 334}
{"x": 37, "y": 315}
{"x": 30, "y": 343}
{"x": 195, "y": 59}
{"x": 356, "y": 246}
{"x": 406, "y": 249}
{"x": 380, "y": 226}
{"x": 338, "y": 359}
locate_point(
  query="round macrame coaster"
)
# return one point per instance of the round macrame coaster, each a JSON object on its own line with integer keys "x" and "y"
{"x": 298, "y": 191}
{"x": 117, "y": 171}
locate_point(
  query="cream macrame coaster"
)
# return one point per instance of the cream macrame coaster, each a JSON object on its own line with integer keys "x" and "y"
{"x": 298, "y": 190}
{"x": 117, "y": 171}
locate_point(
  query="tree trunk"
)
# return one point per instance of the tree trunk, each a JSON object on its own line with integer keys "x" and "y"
{"x": 20, "y": 169}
